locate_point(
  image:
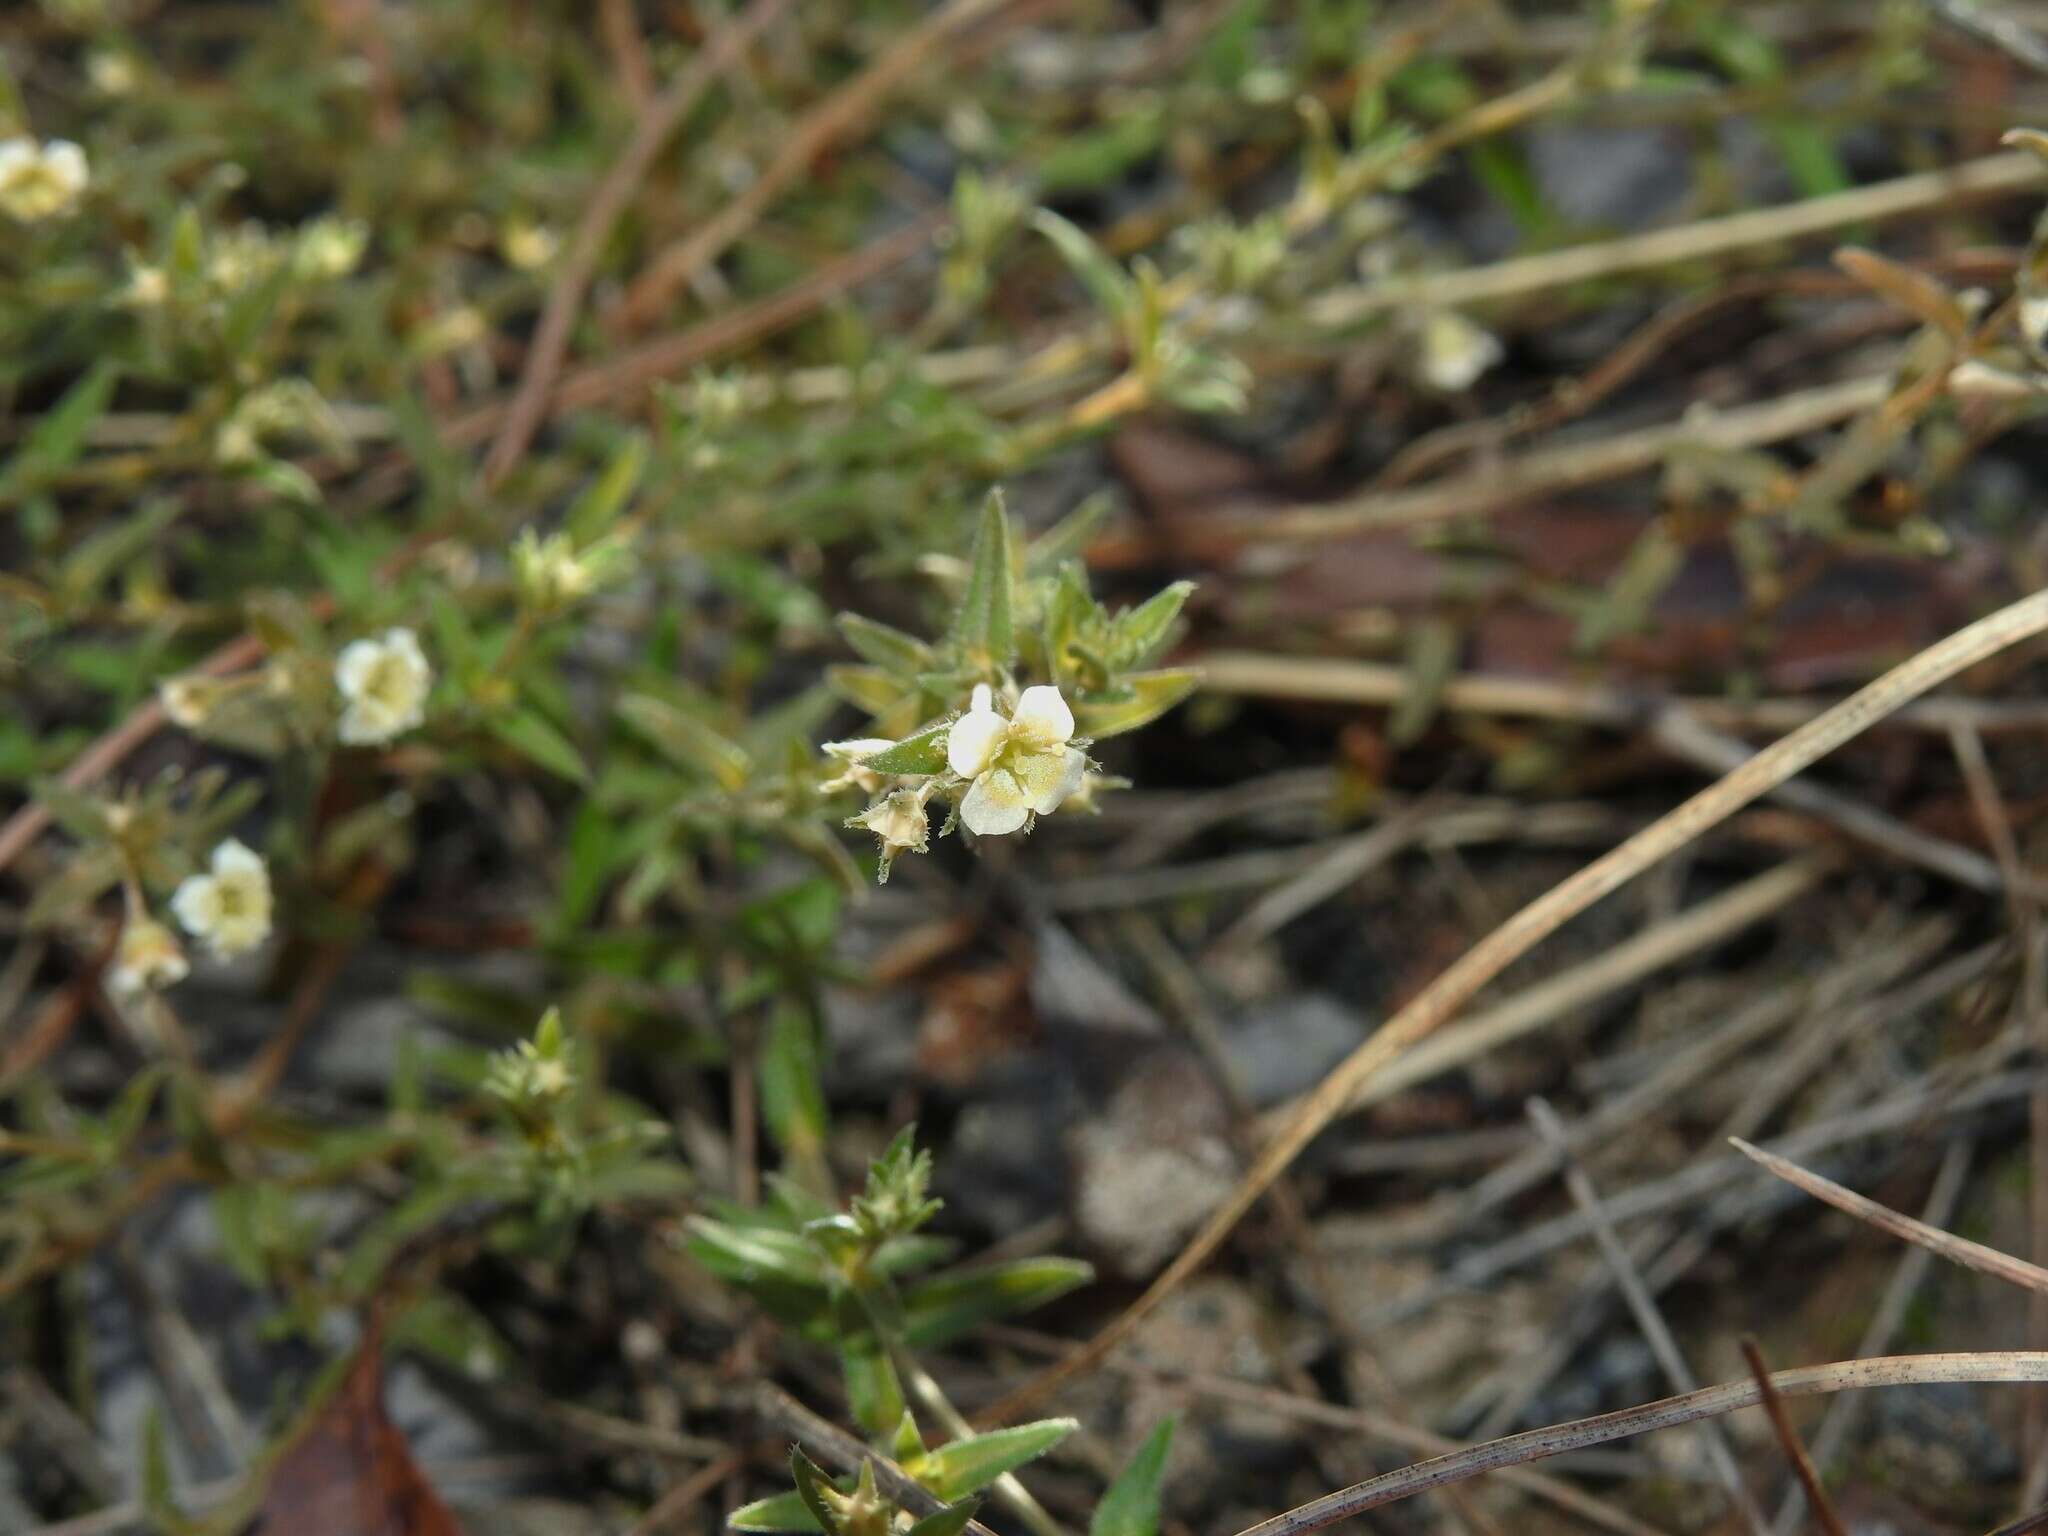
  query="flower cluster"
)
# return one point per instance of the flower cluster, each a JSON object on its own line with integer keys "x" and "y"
{"x": 1006, "y": 770}
{"x": 227, "y": 908}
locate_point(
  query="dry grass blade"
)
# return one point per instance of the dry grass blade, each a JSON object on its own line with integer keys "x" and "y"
{"x": 1437, "y": 1003}
{"x": 1958, "y": 1250}
{"x": 1709, "y": 1402}
{"x": 2037, "y": 1521}
{"x": 1788, "y": 1437}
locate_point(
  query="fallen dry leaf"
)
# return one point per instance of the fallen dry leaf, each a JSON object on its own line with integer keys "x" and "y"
{"x": 349, "y": 1472}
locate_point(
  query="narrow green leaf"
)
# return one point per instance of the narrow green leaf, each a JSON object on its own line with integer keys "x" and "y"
{"x": 960, "y": 1468}
{"x": 890, "y": 649}
{"x": 780, "y": 1512}
{"x": 982, "y": 627}
{"x": 923, "y": 753}
{"x": 58, "y": 437}
{"x": 811, "y": 1482}
{"x": 686, "y": 741}
{"x": 533, "y": 736}
{"x": 745, "y": 1254}
{"x": 1131, "y": 1505}
{"x": 1146, "y": 696}
{"x": 950, "y": 1521}
{"x": 593, "y": 513}
{"x": 1144, "y": 629}
{"x": 793, "y": 1090}
{"x": 874, "y": 1395}
{"x": 944, "y": 1308}
{"x": 1108, "y": 284}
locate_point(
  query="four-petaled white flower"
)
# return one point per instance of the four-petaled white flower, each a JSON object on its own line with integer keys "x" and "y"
{"x": 147, "y": 958}
{"x": 39, "y": 180}
{"x": 855, "y": 775}
{"x": 1016, "y": 767}
{"x": 228, "y": 907}
{"x": 383, "y": 685}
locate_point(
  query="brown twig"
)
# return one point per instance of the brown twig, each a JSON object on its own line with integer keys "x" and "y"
{"x": 1556, "y": 1439}
{"x": 565, "y": 298}
{"x": 1437, "y": 1003}
{"x": 679, "y": 1500}
{"x": 838, "y": 114}
{"x": 1788, "y": 1437}
{"x": 1957, "y": 1250}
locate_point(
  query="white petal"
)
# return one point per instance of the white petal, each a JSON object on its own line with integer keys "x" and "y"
{"x": 982, "y": 699}
{"x": 995, "y": 805}
{"x": 1042, "y": 717}
{"x": 973, "y": 741}
{"x": 14, "y": 154}
{"x": 353, "y": 667}
{"x": 236, "y": 857}
{"x": 195, "y": 903}
{"x": 66, "y": 161}
{"x": 406, "y": 644}
{"x": 1071, "y": 770}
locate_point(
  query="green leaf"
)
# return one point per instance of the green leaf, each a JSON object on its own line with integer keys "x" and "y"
{"x": 793, "y": 1090}
{"x": 747, "y": 1254}
{"x": 1131, "y": 1505}
{"x": 1144, "y": 698}
{"x": 533, "y": 736}
{"x": 1141, "y": 632}
{"x": 944, "y": 1308}
{"x": 950, "y": 1521}
{"x": 1112, "y": 289}
{"x": 868, "y": 688}
{"x": 982, "y": 627}
{"x": 890, "y": 649}
{"x": 781, "y": 1512}
{"x": 58, "y": 437}
{"x": 965, "y": 1465}
{"x": 686, "y": 741}
{"x": 811, "y": 1482}
{"x": 594, "y": 512}
{"x": 874, "y": 1395}
{"x": 923, "y": 753}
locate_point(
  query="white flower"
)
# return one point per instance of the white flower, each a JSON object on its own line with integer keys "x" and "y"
{"x": 229, "y": 908}
{"x": 383, "y": 685}
{"x": 110, "y": 73}
{"x": 553, "y": 574}
{"x": 1455, "y": 352}
{"x": 1017, "y": 766}
{"x": 148, "y": 286}
{"x": 330, "y": 246}
{"x": 853, "y": 754}
{"x": 38, "y": 180}
{"x": 189, "y": 700}
{"x": 899, "y": 821}
{"x": 527, "y": 246}
{"x": 147, "y": 958}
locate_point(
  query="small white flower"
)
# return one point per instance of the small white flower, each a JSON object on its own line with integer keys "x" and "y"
{"x": 1017, "y": 767}
{"x": 853, "y": 754}
{"x": 39, "y": 180}
{"x": 109, "y": 72}
{"x": 552, "y": 574}
{"x": 189, "y": 700}
{"x": 383, "y": 685}
{"x": 229, "y": 907}
{"x": 899, "y": 821}
{"x": 146, "y": 959}
{"x": 1455, "y": 352}
{"x": 330, "y": 247}
{"x": 528, "y": 246}
{"x": 147, "y": 288}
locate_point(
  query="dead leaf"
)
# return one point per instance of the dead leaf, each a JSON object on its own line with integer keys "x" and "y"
{"x": 349, "y": 1471}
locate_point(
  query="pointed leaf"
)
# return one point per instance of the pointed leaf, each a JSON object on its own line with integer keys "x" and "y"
{"x": 965, "y": 1465}
{"x": 1108, "y": 284}
{"x": 533, "y": 736}
{"x": 950, "y": 1521}
{"x": 1142, "y": 631}
{"x": 983, "y": 625}
{"x": 946, "y": 1307}
{"x": 781, "y": 1512}
{"x": 890, "y": 649}
{"x": 923, "y": 753}
{"x": 686, "y": 741}
{"x": 599, "y": 507}
{"x": 1131, "y": 1506}
{"x": 810, "y": 1487}
{"x": 1147, "y": 696}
